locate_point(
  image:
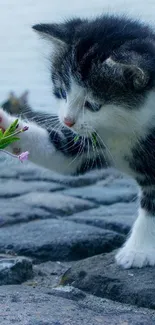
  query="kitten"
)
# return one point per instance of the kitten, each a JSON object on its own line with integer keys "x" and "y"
{"x": 103, "y": 74}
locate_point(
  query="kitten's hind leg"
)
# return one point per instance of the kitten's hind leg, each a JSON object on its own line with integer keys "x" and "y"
{"x": 139, "y": 249}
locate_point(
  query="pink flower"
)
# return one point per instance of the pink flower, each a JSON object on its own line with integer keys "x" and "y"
{"x": 23, "y": 156}
{"x": 25, "y": 128}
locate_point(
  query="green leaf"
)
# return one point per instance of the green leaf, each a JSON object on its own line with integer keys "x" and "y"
{"x": 94, "y": 138}
{"x": 5, "y": 142}
{"x": 1, "y": 134}
{"x": 11, "y": 129}
{"x": 7, "y": 137}
{"x": 76, "y": 138}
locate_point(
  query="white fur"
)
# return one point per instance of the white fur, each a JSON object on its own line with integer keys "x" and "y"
{"x": 42, "y": 152}
{"x": 139, "y": 249}
{"x": 72, "y": 109}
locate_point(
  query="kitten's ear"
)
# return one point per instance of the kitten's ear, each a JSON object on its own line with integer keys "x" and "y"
{"x": 132, "y": 73}
{"x": 59, "y": 34}
{"x": 52, "y": 32}
{"x": 24, "y": 98}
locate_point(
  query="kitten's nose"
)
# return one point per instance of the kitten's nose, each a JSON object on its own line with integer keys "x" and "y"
{"x": 69, "y": 122}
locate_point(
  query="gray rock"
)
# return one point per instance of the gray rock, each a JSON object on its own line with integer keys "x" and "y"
{"x": 13, "y": 211}
{"x": 68, "y": 292}
{"x": 13, "y": 188}
{"x": 14, "y": 269}
{"x": 22, "y": 305}
{"x": 7, "y": 169}
{"x": 53, "y": 239}
{"x": 29, "y": 172}
{"x": 48, "y": 274}
{"x": 56, "y": 203}
{"x": 104, "y": 195}
{"x": 120, "y": 181}
{"x": 51, "y": 268}
{"x": 88, "y": 178}
{"x": 101, "y": 276}
{"x": 118, "y": 217}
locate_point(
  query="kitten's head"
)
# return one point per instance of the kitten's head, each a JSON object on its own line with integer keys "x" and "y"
{"x": 102, "y": 71}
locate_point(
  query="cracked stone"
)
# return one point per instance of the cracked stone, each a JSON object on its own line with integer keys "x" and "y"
{"x": 118, "y": 217}
{"x": 57, "y": 203}
{"x": 14, "y": 269}
{"x": 101, "y": 276}
{"x": 55, "y": 239}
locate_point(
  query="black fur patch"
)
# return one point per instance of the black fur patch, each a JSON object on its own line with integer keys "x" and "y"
{"x": 91, "y": 164}
{"x": 148, "y": 200}
{"x": 143, "y": 160}
{"x": 70, "y": 145}
{"x": 143, "y": 163}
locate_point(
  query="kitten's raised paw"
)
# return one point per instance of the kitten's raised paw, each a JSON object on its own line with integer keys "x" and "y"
{"x": 129, "y": 257}
{"x": 5, "y": 119}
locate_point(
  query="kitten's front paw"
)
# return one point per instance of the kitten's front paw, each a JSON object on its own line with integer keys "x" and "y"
{"x": 5, "y": 119}
{"x": 131, "y": 256}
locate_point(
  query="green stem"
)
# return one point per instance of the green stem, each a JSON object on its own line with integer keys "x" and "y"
{"x": 13, "y": 134}
{"x": 9, "y": 153}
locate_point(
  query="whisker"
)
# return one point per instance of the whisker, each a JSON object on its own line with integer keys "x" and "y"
{"x": 80, "y": 151}
{"x": 104, "y": 145}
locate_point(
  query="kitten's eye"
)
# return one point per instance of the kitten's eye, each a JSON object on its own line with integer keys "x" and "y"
{"x": 60, "y": 93}
{"x": 93, "y": 106}
{"x": 63, "y": 93}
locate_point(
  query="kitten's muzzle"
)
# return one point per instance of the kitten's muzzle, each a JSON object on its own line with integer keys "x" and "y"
{"x": 69, "y": 122}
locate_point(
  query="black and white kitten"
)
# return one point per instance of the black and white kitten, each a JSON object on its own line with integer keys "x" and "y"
{"x": 103, "y": 74}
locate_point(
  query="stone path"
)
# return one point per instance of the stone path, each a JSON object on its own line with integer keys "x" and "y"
{"x": 58, "y": 237}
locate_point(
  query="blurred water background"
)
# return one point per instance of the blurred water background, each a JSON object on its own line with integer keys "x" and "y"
{"x": 23, "y": 57}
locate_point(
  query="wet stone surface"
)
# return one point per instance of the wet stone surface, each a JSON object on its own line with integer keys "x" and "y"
{"x": 58, "y": 239}
{"x": 15, "y": 269}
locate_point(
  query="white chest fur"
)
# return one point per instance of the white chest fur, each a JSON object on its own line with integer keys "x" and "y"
{"x": 118, "y": 148}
